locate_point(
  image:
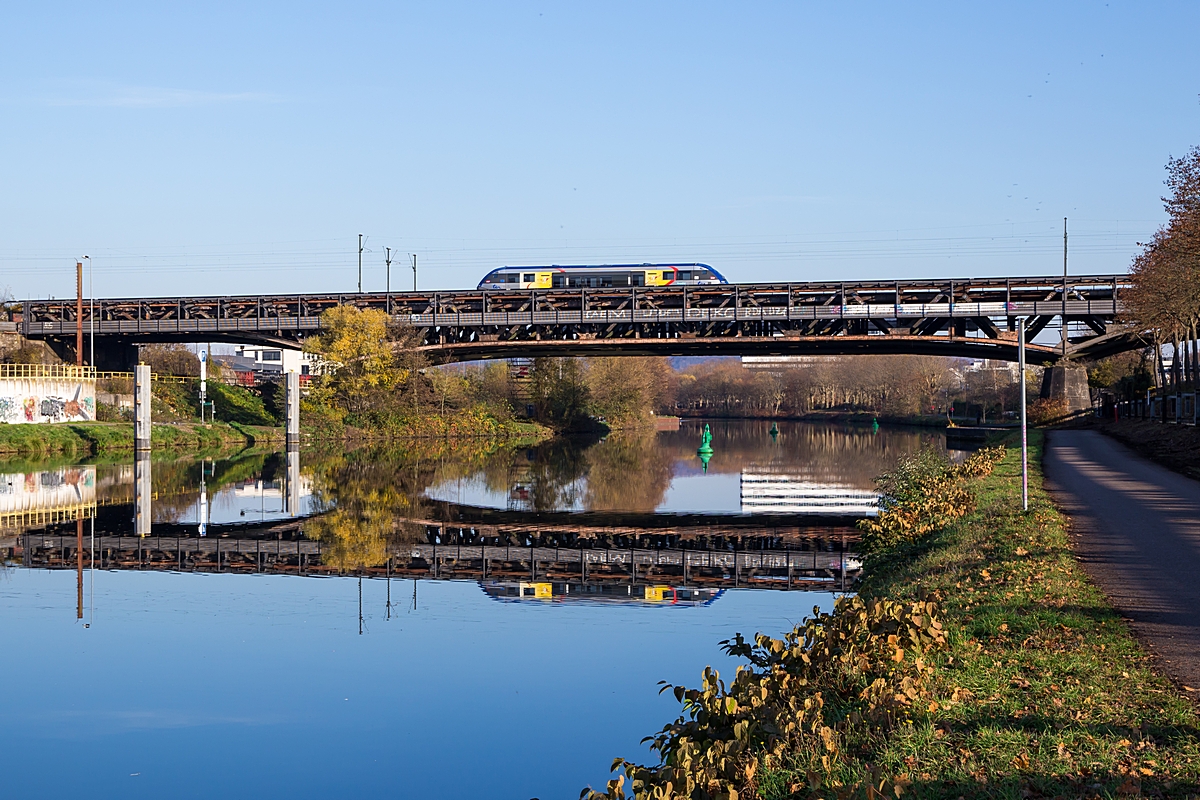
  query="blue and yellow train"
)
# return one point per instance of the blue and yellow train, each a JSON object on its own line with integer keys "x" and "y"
{"x": 605, "y": 276}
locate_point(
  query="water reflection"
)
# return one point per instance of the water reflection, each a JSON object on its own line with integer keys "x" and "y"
{"x": 524, "y": 561}
{"x": 755, "y": 467}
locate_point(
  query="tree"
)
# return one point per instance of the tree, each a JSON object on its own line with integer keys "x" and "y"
{"x": 359, "y": 348}
{"x": 170, "y": 359}
{"x": 560, "y": 391}
{"x": 627, "y": 390}
{"x": 1165, "y": 296}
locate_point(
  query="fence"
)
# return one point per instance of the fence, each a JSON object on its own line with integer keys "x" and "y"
{"x": 1175, "y": 408}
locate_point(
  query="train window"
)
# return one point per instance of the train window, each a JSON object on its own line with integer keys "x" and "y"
{"x": 638, "y": 279}
{"x": 528, "y": 277}
{"x": 684, "y": 275}
{"x": 558, "y": 281}
{"x": 512, "y": 278}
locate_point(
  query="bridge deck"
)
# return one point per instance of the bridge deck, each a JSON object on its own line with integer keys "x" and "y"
{"x": 772, "y": 568}
{"x": 456, "y": 325}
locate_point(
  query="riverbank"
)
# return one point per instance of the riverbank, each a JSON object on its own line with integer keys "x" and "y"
{"x": 866, "y": 418}
{"x": 1029, "y": 684}
{"x": 95, "y": 438}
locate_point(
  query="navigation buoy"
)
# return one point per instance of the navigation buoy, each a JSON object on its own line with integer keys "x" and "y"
{"x": 774, "y": 430}
{"x": 705, "y": 450}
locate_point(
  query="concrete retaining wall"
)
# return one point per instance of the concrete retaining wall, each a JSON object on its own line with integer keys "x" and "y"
{"x": 25, "y": 400}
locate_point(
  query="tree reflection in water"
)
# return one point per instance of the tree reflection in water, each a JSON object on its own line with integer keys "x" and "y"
{"x": 365, "y": 500}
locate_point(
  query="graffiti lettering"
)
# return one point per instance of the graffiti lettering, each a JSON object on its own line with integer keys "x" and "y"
{"x": 52, "y": 407}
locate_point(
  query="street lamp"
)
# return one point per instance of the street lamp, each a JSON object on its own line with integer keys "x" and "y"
{"x": 1024, "y": 428}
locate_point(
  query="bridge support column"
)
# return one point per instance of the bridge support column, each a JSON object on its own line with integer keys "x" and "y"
{"x": 1068, "y": 383}
{"x": 292, "y": 403}
{"x": 142, "y": 489}
{"x": 141, "y": 408}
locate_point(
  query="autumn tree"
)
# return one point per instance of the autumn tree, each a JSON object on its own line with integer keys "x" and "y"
{"x": 169, "y": 359}
{"x": 628, "y": 390}
{"x": 1165, "y": 295}
{"x": 359, "y": 349}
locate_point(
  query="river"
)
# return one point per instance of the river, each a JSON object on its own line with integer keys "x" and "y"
{"x": 427, "y": 621}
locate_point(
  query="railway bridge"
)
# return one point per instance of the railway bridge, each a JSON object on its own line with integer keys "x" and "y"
{"x": 973, "y": 317}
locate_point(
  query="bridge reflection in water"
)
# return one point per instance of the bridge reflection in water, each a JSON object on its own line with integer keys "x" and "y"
{"x": 566, "y": 559}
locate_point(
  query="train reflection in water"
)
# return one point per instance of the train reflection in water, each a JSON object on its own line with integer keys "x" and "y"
{"x": 627, "y": 594}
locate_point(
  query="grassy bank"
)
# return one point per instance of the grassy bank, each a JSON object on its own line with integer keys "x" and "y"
{"x": 93, "y": 438}
{"x": 1021, "y": 681}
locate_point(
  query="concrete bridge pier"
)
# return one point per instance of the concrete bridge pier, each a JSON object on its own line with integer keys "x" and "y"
{"x": 292, "y": 403}
{"x": 141, "y": 408}
{"x": 143, "y": 488}
{"x": 1067, "y": 382}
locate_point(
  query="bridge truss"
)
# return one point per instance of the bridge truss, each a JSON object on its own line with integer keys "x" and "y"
{"x": 970, "y": 317}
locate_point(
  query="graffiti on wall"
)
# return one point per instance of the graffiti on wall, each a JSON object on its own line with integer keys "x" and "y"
{"x": 26, "y": 497}
{"x": 49, "y": 407}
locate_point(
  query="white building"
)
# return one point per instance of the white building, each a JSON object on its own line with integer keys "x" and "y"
{"x": 778, "y": 363}
{"x": 277, "y": 359}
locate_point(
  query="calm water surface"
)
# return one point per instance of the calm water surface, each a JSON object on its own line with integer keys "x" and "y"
{"x": 190, "y": 683}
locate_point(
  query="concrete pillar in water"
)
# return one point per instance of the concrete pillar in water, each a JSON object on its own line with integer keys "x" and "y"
{"x": 141, "y": 407}
{"x": 142, "y": 492}
{"x": 292, "y": 395}
{"x": 293, "y": 481}
{"x": 1069, "y": 383}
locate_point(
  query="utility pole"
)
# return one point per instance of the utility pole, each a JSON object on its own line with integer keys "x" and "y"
{"x": 414, "y": 258}
{"x": 360, "y": 252}
{"x": 79, "y": 313}
{"x": 91, "y": 314}
{"x": 1064, "y": 297}
{"x": 388, "y": 260}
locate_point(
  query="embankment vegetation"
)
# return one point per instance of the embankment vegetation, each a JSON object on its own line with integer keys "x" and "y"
{"x": 79, "y": 439}
{"x": 378, "y": 385}
{"x": 976, "y": 660}
{"x": 1165, "y": 296}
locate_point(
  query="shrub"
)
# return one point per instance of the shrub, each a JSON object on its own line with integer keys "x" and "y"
{"x": 923, "y": 494}
{"x": 238, "y": 404}
{"x": 807, "y": 701}
{"x": 1044, "y": 411}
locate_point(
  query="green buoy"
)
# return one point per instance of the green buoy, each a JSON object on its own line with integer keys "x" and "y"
{"x": 774, "y": 431}
{"x": 705, "y": 450}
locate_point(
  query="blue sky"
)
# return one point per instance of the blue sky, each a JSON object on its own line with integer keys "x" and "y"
{"x": 240, "y": 148}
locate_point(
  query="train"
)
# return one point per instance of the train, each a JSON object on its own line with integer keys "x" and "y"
{"x": 592, "y": 593}
{"x": 603, "y": 276}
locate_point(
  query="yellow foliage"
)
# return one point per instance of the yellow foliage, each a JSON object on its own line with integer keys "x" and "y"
{"x": 357, "y": 344}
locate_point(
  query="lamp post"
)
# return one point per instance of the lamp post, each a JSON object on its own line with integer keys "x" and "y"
{"x": 1024, "y": 428}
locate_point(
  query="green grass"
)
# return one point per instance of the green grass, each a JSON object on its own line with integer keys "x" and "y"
{"x": 1055, "y": 696}
{"x": 92, "y": 438}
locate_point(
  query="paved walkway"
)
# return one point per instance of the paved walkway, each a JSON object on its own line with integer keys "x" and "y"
{"x": 1136, "y": 528}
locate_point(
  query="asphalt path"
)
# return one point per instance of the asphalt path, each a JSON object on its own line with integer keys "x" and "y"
{"x": 1136, "y": 528}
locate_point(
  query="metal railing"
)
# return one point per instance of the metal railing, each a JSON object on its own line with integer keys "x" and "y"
{"x": 79, "y": 373}
{"x": 47, "y": 371}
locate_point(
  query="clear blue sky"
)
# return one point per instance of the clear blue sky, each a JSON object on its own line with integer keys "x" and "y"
{"x": 238, "y": 148}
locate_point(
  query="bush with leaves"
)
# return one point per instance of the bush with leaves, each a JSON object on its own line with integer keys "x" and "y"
{"x": 923, "y": 494}
{"x": 811, "y": 701}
